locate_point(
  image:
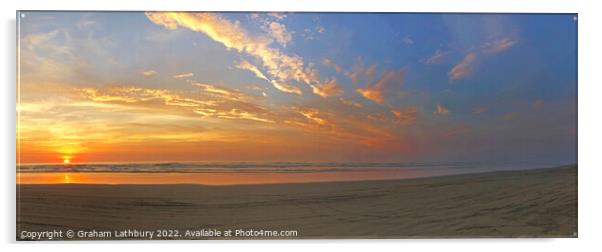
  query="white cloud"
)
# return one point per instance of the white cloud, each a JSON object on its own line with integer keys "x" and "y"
{"x": 464, "y": 68}
{"x": 149, "y": 73}
{"x": 279, "y": 33}
{"x": 281, "y": 67}
{"x": 183, "y": 75}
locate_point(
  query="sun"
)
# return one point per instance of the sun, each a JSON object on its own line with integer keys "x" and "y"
{"x": 66, "y": 161}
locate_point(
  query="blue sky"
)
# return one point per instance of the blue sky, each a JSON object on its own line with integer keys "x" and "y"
{"x": 298, "y": 86}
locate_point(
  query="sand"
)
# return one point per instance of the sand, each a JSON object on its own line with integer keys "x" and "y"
{"x": 534, "y": 203}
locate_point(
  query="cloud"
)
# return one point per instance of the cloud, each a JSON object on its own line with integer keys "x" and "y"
{"x": 313, "y": 119}
{"x": 286, "y": 87}
{"x": 214, "y": 101}
{"x": 387, "y": 81}
{"x": 87, "y": 24}
{"x": 320, "y": 29}
{"x": 279, "y": 33}
{"x": 149, "y": 73}
{"x": 455, "y": 131}
{"x": 38, "y": 40}
{"x": 436, "y": 58}
{"x": 50, "y": 56}
{"x": 360, "y": 72}
{"x": 509, "y": 116}
{"x": 354, "y": 76}
{"x": 372, "y": 93}
{"x": 357, "y": 72}
{"x": 232, "y": 114}
{"x": 407, "y": 40}
{"x": 329, "y": 88}
{"x": 280, "y": 66}
{"x": 183, "y": 75}
{"x": 441, "y": 110}
{"x": 314, "y": 115}
{"x": 222, "y": 91}
{"x": 245, "y": 65}
{"x": 498, "y": 46}
{"x": 348, "y": 128}
{"x": 351, "y": 103}
{"x": 276, "y": 84}
{"x": 464, "y": 68}
{"x": 538, "y": 104}
{"x": 371, "y": 70}
{"x": 312, "y": 34}
{"x": 277, "y": 15}
{"x": 405, "y": 116}
{"x": 479, "y": 110}
{"x": 131, "y": 94}
{"x": 330, "y": 63}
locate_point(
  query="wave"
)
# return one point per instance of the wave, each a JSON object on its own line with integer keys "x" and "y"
{"x": 266, "y": 167}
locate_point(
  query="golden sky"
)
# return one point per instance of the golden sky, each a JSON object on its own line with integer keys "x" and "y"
{"x": 159, "y": 86}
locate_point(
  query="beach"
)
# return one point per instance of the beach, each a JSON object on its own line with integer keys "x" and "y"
{"x": 530, "y": 203}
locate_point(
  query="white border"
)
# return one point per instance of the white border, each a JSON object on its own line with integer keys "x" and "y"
{"x": 589, "y": 124}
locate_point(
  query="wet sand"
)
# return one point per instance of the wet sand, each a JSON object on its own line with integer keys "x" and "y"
{"x": 534, "y": 203}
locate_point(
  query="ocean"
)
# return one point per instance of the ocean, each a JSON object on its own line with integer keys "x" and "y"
{"x": 219, "y": 173}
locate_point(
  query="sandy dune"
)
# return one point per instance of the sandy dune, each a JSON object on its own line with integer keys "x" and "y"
{"x": 536, "y": 203}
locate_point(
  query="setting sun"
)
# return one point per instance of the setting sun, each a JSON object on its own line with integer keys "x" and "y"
{"x": 66, "y": 161}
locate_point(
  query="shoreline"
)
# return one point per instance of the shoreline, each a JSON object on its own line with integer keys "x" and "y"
{"x": 147, "y": 178}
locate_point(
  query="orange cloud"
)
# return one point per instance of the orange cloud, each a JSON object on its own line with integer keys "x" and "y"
{"x": 331, "y": 63}
{"x": 314, "y": 115}
{"x": 371, "y": 70}
{"x": 313, "y": 120}
{"x": 329, "y": 88}
{"x": 479, "y": 110}
{"x": 351, "y": 103}
{"x": 372, "y": 93}
{"x": 436, "y": 58}
{"x": 358, "y": 71}
{"x": 347, "y": 128}
{"x": 218, "y": 102}
{"x": 388, "y": 80}
{"x": 498, "y": 45}
{"x": 441, "y": 110}
{"x": 130, "y": 94}
{"x": 354, "y": 76}
{"x": 456, "y": 131}
{"x": 464, "y": 68}
{"x": 232, "y": 114}
{"x": 538, "y": 104}
{"x": 509, "y": 116}
{"x": 405, "y": 116}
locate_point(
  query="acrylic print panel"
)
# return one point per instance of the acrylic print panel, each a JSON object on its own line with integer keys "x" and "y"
{"x": 216, "y": 125}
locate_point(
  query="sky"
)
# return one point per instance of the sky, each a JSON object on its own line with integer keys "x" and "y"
{"x": 302, "y": 87}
